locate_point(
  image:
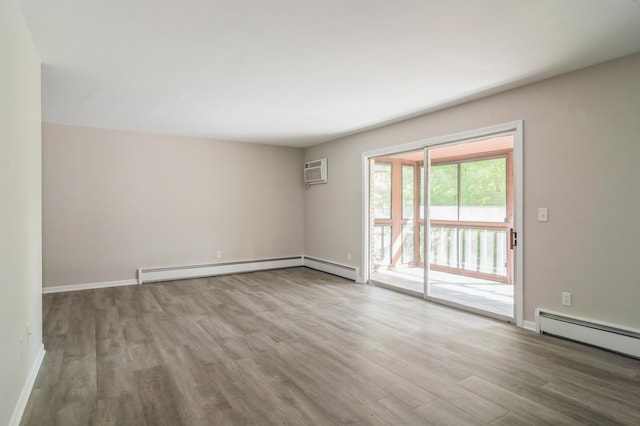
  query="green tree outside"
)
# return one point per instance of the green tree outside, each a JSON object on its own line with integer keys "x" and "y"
{"x": 482, "y": 183}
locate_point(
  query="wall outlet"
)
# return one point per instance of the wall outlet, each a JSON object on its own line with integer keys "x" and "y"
{"x": 566, "y": 298}
{"x": 219, "y": 254}
{"x": 543, "y": 214}
{"x": 348, "y": 256}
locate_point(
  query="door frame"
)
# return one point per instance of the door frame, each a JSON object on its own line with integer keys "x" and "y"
{"x": 513, "y": 127}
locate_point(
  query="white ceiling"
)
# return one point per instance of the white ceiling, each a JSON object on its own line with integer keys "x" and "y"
{"x": 300, "y": 72}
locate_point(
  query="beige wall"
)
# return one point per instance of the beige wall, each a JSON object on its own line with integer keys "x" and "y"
{"x": 581, "y": 160}
{"x": 116, "y": 201}
{"x": 20, "y": 206}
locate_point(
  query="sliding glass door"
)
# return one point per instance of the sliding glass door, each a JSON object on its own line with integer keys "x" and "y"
{"x": 397, "y": 221}
{"x": 470, "y": 201}
{"x": 460, "y": 207}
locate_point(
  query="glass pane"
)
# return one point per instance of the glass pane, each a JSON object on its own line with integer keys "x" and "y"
{"x": 381, "y": 191}
{"x": 443, "y": 192}
{"x": 421, "y": 243}
{"x": 483, "y": 190}
{"x": 484, "y": 250}
{"x": 408, "y": 239}
{"x": 444, "y": 246}
{"x": 381, "y": 245}
{"x": 408, "y": 191}
{"x": 494, "y": 260}
{"x": 421, "y": 192}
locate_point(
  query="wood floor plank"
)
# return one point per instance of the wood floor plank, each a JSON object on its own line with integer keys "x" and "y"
{"x": 465, "y": 400}
{"x": 47, "y": 301}
{"x": 617, "y": 410}
{"x": 262, "y": 401}
{"x": 141, "y": 346}
{"x": 523, "y": 407}
{"x": 529, "y": 386}
{"x": 440, "y": 412}
{"x": 343, "y": 378}
{"x": 103, "y": 298}
{"x": 407, "y": 392}
{"x": 297, "y": 346}
{"x": 56, "y": 322}
{"x": 121, "y": 410}
{"x": 114, "y": 377}
{"x": 156, "y": 396}
{"x": 262, "y": 369}
{"x": 393, "y": 411}
{"x": 108, "y": 331}
{"x": 125, "y": 298}
{"x": 76, "y": 392}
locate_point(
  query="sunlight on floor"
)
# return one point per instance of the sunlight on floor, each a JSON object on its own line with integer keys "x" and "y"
{"x": 486, "y": 295}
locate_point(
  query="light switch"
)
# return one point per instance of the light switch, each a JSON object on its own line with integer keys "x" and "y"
{"x": 543, "y": 214}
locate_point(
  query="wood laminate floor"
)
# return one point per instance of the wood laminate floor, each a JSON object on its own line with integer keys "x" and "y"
{"x": 297, "y": 346}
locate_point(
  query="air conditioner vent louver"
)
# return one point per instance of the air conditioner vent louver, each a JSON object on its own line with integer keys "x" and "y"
{"x": 315, "y": 172}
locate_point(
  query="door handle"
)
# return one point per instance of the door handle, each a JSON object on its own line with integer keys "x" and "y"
{"x": 513, "y": 239}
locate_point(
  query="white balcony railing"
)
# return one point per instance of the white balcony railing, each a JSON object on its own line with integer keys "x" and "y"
{"x": 472, "y": 249}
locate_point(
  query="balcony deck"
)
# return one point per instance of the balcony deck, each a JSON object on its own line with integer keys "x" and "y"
{"x": 485, "y": 295}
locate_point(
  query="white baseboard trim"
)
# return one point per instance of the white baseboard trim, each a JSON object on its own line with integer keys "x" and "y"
{"x": 18, "y": 411}
{"x": 88, "y": 286}
{"x": 529, "y": 325}
{"x": 345, "y": 271}
{"x": 146, "y": 275}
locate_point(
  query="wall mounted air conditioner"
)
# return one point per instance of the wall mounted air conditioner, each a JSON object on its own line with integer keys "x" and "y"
{"x": 315, "y": 172}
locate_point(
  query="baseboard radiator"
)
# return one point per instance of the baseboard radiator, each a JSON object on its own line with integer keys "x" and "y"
{"x": 146, "y": 275}
{"x": 612, "y": 337}
{"x": 345, "y": 271}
